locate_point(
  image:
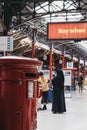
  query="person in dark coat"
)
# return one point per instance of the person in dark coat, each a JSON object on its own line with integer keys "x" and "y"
{"x": 80, "y": 82}
{"x": 58, "y": 104}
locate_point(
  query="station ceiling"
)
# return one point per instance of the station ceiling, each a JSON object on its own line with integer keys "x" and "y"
{"x": 21, "y": 17}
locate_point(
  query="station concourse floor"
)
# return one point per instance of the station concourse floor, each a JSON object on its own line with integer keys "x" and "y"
{"x": 75, "y": 117}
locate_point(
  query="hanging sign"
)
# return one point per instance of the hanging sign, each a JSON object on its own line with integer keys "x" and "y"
{"x": 66, "y": 31}
{"x": 6, "y": 43}
{"x": 69, "y": 64}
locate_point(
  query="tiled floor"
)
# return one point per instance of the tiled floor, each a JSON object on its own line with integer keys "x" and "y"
{"x": 74, "y": 119}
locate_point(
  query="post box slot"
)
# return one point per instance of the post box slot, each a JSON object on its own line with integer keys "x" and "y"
{"x": 30, "y": 75}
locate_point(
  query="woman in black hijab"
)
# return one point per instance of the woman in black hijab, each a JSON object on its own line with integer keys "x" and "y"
{"x": 58, "y": 104}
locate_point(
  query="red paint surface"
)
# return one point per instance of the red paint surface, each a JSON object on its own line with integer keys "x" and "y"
{"x": 17, "y": 111}
{"x": 69, "y": 30}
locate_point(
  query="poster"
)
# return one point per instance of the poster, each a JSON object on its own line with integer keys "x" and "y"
{"x": 67, "y": 76}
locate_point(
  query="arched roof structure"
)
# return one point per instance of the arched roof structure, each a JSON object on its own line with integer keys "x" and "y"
{"x": 22, "y": 16}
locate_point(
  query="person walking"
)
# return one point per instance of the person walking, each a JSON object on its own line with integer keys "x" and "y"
{"x": 58, "y": 104}
{"x": 44, "y": 85}
{"x": 80, "y": 82}
{"x": 73, "y": 86}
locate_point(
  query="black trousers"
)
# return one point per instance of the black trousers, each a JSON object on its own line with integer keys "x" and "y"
{"x": 44, "y": 96}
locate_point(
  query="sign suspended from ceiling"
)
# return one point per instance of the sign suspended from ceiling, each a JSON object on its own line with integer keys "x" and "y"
{"x": 67, "y": 31}
{"x": 6, "y": 43}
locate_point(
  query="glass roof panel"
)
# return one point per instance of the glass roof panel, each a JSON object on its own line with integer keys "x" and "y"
{"x": 83, "y": 43}
{"x": 58, "y": 15}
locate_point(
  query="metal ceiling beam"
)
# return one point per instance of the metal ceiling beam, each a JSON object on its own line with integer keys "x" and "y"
{"x": 25, "y": 16}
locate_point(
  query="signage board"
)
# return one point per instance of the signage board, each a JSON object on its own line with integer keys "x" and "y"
{"x": 67, "y": 83}
{"x": 67, "y": 76}
{"x": 6, "y": 43}
{"x": 66, "y": 31}
{"x": 69, "y": 64}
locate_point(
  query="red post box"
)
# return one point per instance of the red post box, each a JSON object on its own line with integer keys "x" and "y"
{"x": 18, "y": 92}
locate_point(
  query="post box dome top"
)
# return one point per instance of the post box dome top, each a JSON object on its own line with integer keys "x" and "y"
{"x": 16, "y": 57}
{"x": 18, "y": 60}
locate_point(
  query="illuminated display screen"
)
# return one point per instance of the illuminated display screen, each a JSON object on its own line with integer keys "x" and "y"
{"x": 69, "y": 30}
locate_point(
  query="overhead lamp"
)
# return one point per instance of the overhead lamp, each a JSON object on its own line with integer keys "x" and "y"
{"x": 44, "y": 57}
{"x": 60, "y": 61}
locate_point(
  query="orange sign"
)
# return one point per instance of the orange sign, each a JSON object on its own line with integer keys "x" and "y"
{"x": 67, "y": 31}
